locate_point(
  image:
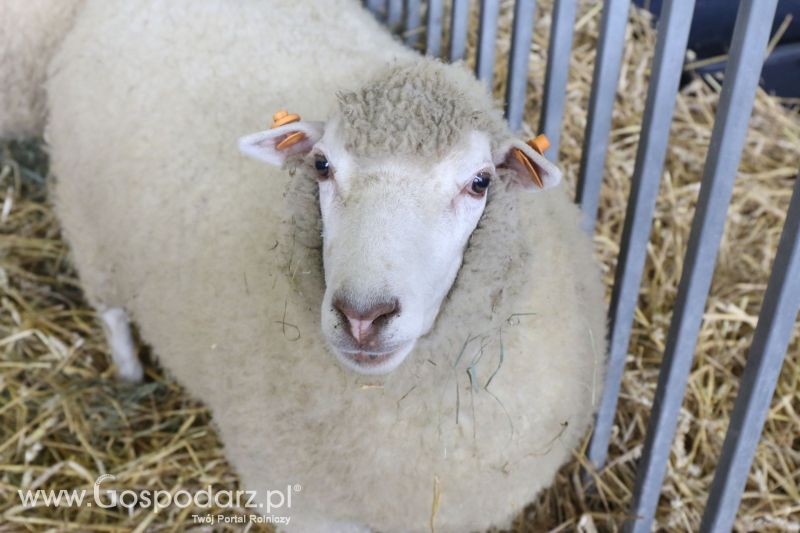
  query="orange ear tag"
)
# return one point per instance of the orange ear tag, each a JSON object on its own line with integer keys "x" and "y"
{"x": 540, "y": 143}
{"x": 281, "y": 118}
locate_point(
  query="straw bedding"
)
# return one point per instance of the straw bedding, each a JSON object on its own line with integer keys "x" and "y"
{"x": 64, "y": 421}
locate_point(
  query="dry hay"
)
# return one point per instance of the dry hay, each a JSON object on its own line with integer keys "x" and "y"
{"x": 64, "y": 421}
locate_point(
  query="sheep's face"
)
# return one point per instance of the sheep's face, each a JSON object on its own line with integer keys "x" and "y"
{"x": 394, "y": 230}
{"x": 403, "y": 170}
{"x": 394, "y": 233}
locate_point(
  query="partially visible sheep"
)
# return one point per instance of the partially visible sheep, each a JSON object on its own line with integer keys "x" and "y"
{"x": 30, "y": 31}
{"x": 497, "y": 343}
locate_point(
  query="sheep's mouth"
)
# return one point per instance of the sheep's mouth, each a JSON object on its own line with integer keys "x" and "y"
{"x": 369, "y": 359}
{"x": 369, "y": 362}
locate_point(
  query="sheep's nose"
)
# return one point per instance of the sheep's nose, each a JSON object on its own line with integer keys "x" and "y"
{"x": 366, "y": 321}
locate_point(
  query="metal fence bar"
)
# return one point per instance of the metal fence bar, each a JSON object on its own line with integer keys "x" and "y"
{"x": 518, "y": 59}
{"x": 378, "y": 8}
{"x": 601, "y": 104}
{"x": 459, "y": 23}
{"x": 750, "y": 36}
{"x": 673, "y": 36}
{"x": 764, "y": 362}
{"x": 433, "y": 39}
{"x": 394, "y": 14}
{"x": 487, "y": 35}
{"x": 555, "y": 79}
{"x": 413, "y": 23}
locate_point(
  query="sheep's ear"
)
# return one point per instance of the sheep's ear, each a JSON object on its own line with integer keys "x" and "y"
{"x": 266, "y": 145}
{"x": 526, "y": 166}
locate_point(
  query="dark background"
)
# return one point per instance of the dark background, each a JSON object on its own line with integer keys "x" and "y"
{"x": 712, "y": 28}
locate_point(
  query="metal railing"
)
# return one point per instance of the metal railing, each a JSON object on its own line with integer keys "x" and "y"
{"x": 782, "y": 297}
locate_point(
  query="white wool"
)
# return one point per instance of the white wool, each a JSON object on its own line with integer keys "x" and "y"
{"x": 169, "y": 221}
{"x": 30, "y": 31}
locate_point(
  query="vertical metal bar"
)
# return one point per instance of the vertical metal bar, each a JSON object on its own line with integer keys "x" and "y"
{"x": 394, "y": 14}
{"x": 601, "y": 104}
{"x": 771, "y": 339}
{"x": 378, "y": 8}
{"x": 433, "y": 44}
{"x": 555, "y": 80}
{"x": 459, "y": 22}
{"x": 413, "y": 23}
{"x": 487, "y": 35}
{"x": 673, "y": 36}
{"x": 753, "y": 23}
{"x": 518, "y": 59}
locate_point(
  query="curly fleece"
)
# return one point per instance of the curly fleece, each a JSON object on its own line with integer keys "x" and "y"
{"x": 216, "y": 257}
{"x": 419, "y": 110}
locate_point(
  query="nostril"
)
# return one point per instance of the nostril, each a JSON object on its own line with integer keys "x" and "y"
{"x": 339, "y": 308}
{"x": 347, "y": 313}
{"x": 366, "y": 320}
{"x": 385, "y": 311}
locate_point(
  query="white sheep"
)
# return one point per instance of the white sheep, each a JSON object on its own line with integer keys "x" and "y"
{"x": 30, "y": 31}
{"x": 369, "y": 322}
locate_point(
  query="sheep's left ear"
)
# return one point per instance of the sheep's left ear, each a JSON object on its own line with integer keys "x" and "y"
{"x": 275, "y": 145}
{"x": 526, "y": 166}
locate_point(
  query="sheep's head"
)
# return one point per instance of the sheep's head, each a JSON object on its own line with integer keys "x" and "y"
{"x": 404, "y": 170}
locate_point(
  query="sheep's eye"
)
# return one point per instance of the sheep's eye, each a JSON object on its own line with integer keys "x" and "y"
{"x": 480, "y": 183}
{"x": 322, "y": 166}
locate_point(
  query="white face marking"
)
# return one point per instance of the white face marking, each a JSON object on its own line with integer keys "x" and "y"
{"x": 394, "y": 234}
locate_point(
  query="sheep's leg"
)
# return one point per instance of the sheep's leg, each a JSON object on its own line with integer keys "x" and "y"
{"x": 123, "y": 348}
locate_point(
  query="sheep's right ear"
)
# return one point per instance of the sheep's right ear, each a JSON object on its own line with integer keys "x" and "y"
{"x": 266, "y": 145}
